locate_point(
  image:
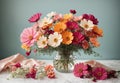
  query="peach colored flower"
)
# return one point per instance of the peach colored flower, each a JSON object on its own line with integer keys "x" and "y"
{"x": 85, "y": 44}
{"x": 67, "y": 37}
{"x": 51, "y": 74}
{"x": 94, "y": 42}
{"x": 98, "y": 31}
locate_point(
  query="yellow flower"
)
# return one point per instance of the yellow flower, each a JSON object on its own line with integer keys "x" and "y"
{"x": 59, "y": 27}
{"x": 24, "y": 46}
{"x": 67, "y": 37}
{"x": 68, "y": 16}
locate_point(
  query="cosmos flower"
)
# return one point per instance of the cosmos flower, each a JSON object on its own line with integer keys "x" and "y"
{"x": 55, "y": 39}
{"x": 45, "y": 21}
{"x": 87, "y": 25}
{"x": 78, "y": 38}
{"x": 59, "y": 27}
{"x": 67, "y": 37}
{"x": 28, "y": 36}
{"x": 80, "y": 70}
{"x": 90, "y": 17}
{"x": 100, "y": 73}
{"x": 35, "y": 17}
{"x": 42, "y": 42}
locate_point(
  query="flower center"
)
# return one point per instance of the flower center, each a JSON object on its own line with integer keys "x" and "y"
{"x": 43, "y": 42}
{"x": 55, "y": 40}
{"x": 30, "y": 37}
{"x": 67, "y": 38}
{"x": 99, "y": 73}
{"x": 80, "y": 70}
{"x": 86, "y": 26}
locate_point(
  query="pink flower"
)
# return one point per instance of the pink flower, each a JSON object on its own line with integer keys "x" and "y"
{"x": 80, "y": 70}
{"x": 73, "y": 11}
{"x": 78, "y": 38}
{"x": 72, "y": 25}
{"x": 90, "y": 17}
{"x": 35, "y": 17}
{"x": 100, "y": 73}
{"x": 77, "y": 18}
{"x": 57, "y": 17}
{"x": 28, "y": 36}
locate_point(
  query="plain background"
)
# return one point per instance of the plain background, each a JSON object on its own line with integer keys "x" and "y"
{"x": 15, "y": 13}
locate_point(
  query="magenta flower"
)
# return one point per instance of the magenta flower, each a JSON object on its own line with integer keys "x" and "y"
{"x": 78, "y": 38}
{"x": 73, "y": 11}
{"x": 100, "y": 73}
{"x": 35, "y": 17}
{"x": 28, "y": 36}
{"x": 72, "y": 25}
{"x": 80, "y": 70}
{"x": 90, "y": 17}
{"x": 18, "y": 65}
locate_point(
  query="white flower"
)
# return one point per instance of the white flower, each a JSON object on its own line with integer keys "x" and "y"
{"x": 42, "y": 42}
{"x": 45, "y": 21}
{"x": 55, "y": 39}
{"x": 87, "y": 25}
{"x": 49, "y": 15}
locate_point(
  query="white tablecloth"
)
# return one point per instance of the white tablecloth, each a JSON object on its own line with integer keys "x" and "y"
{"x": 64, "y": 77}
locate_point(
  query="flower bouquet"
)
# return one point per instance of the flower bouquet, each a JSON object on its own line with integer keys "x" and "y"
{"x": 65, "y": 33}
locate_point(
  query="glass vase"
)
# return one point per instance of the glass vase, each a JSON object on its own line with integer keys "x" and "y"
{"x": 64, "y": 61}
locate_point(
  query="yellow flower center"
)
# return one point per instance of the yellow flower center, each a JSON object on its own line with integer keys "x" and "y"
{"x": 43, "y": 42}
{"x": 67, "y": 38}
{"x": 86, "y": 26}
{"x": 30, "y": 37}
{"x": 55, "y": 40}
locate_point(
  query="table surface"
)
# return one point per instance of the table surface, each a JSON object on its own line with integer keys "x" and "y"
{"x": 64, "y": 77}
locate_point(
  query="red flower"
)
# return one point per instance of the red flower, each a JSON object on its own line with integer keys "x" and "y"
{"x": 28, "y": 53}
{"x": 72, "y": 25}
{"x": 73, "y": 11}
{"x": 100, "y": 73}
{"x": 17, "y": 65}
{"x": 35, "y": 17}
{"x": 80, "y": 70}
{"x": 78, "y": 38}
{"x": 90, "y": 17}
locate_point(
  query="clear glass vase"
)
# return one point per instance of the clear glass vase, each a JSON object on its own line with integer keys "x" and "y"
{"x": 64, "y": 61}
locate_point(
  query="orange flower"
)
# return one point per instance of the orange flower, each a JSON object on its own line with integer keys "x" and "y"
{"x": 94, "y": 42}
{"x": 98, "y": 31}
{"x": 59, "y": 27}
{"x": 85, "y": 44}
{"x": 91, "y": 34}
{"x": 48, "y": 68}
{"x": 67, "y": 37}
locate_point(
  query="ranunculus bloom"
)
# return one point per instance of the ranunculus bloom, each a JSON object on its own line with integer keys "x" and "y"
{"x": 90, "y": 17}
{"x": 100, "y": 73}
{"x": 35, "y": 17}
{"x": 80, "y": 70}
{"x": 67, "y": 37}
{"x": 78, "y": 38}
{"x": 28, "y": 36}
{"x": 72, "y": 25}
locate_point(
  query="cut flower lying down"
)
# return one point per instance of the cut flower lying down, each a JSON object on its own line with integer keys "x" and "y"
{"x": 96, "y": 71}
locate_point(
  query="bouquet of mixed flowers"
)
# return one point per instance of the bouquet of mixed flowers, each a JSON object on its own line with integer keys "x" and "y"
{"x": 61, "y": 31}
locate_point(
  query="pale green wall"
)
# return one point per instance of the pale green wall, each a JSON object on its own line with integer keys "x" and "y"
{"x": 14, "y": 15}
